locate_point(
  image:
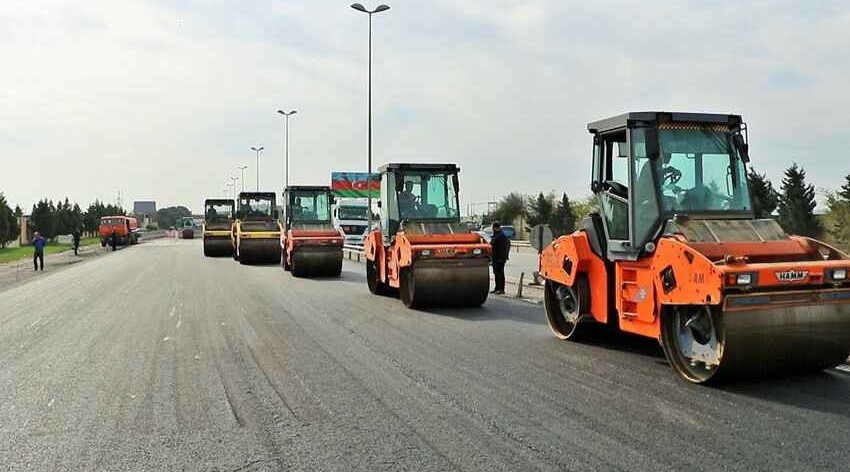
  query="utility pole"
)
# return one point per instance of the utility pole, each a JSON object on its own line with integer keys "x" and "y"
{"x": 257, "y": 150}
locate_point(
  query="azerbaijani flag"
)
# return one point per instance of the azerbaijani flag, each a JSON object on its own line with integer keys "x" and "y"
{"x": 355, "y": 184}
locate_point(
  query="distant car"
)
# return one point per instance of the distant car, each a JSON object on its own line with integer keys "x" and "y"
{"x": 487, "y": 232}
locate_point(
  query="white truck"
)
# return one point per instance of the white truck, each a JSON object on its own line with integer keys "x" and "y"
{"x": 352, "y": 217}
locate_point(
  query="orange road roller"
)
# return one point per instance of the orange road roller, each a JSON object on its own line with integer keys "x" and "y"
{"x": 674, "y": 252}
{"x": 310, "y": 244}
{"x": 421, "y": 249}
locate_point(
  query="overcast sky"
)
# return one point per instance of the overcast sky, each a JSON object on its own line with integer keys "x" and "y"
{"x": 162, "y": 100}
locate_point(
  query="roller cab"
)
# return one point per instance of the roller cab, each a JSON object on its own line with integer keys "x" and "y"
{"x": 421, "y": 249}
{"x": 674, "y": 253}
{"x": 310, "y": 244}
{"x": 255, "y": 234}
{"x": 219, "y": 215}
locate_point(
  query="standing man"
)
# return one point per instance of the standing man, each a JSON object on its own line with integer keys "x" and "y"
{"x": 38, "y": 243}
{"x": 114, "y": 239}
{"x": 501, "y": 246}
{"x": 77, "y": 236}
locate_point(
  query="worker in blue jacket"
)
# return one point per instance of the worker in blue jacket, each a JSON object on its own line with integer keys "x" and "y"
{"x": 38, "y": 243}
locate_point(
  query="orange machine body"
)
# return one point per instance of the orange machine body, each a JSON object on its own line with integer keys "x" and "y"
{"x": 781, "y": 272}
{"x": 406, "y": 248}
{"x": 293, "y": 239}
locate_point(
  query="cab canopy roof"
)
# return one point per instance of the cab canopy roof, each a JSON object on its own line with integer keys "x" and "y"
{"x": 218, "y": 201}
{"x": 622, "y": 121}
{"x": 308, "y": 188}
{"x": 394, "y": 167}
{"x": 256, "y": 195}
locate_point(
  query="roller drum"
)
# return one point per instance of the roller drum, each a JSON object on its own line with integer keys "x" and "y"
{"x": 317, "y": 261}
{"x": 756, "y": 335}
{"x": 218, "y": 247}
{"x": 254, "y": 251}
{"x": 445, "y": 282}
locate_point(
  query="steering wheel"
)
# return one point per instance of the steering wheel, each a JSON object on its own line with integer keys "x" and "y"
{"x": 672, "y": 174}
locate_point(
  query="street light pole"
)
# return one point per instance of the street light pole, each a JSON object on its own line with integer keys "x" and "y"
{"x": 257, "y": 150}
{"x": 242, "y": 168}
{"x": 363, "y": 9}
{"x": 286, "y": 146}
{"x": 233, "y": 181}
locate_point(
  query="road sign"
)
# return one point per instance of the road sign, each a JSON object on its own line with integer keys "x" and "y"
{"x": 540, "y": 237}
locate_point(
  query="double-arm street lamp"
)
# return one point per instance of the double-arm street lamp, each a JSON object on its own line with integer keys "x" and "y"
{"x": 242, "y": 178}
{"x": 286, "y": 115}
{"x": 363, "y": 9}
{"x": 257, "y": 150}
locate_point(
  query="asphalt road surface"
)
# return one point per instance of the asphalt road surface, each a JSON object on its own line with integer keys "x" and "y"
{"x": 155, "y": 358}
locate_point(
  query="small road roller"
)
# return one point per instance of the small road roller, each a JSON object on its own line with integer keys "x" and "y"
{"x": 310, "y": 244}
{"x": 218, "y": 220}
{"x": 674, "y": 253}
{"x": 421, "y": 248}
{"x": 255, "y": 234}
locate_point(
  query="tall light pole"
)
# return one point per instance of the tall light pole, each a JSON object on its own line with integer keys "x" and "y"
{"x": 228, "y": 186}
{"x": 242, "y": 168}
{"x": 286, "y": 145}
{"x": 363, "y": 9}
{"x": 257, "y": 150}
{"x": 233, "y": 181}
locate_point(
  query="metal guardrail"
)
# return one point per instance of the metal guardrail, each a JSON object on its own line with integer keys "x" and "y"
{"x": 354, "y": 252}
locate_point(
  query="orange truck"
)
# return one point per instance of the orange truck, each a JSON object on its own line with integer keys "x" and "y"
{"x": 126, "y": 228}
{"x": 673, "y": 252}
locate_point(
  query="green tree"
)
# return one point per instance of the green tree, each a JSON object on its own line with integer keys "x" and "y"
{"x": 43, "y": 218}
{"x": 797, "y": 204}
{"x": 764, "y": 197}
{"x": 563, "y": 218}
{"x": 8, "y": 223}
{"x": 166, "y": 217}
{"x": 540, "y": 209}
{"x": 844, "y": 193}
{"x": 837, "y": 220}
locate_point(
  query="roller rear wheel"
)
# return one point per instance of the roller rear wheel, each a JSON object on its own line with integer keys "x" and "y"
{"x": 693, "y": 342}
{"x": 372, "y": 279}
{"x": 567, "y": 307}
{"x": 407, "y": 288}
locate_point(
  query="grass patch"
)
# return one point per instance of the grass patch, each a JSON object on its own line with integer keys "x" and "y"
{"x": 13, "y": 254}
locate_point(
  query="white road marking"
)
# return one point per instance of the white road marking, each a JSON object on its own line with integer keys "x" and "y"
{"x": 844, "y": 367}
{"x": 173, "y": 309}
{"x": 179, "y": 321}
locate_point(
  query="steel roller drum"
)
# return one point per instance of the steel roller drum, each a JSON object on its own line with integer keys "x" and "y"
{"x": 317, "y": 261}
{"x": 259, "y": 251}
{"x": 781, "y": 332}
{"x": 446, "y": 282}
{"x": 218, "y": 246}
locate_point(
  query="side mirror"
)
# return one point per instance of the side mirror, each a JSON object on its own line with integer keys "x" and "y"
{"x": 379, "y": 204}
{"x": 742, "y": 146}
{"x": 332, "y": 199}
{"x": 595, "y": 187}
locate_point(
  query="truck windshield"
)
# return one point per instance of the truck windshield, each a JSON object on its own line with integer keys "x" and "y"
{"x": 700, "y": 171}
{"x": 219, "y": 212}
{"x": 353, "y": 213}
{"x": 309, "y": 206}
{"x": 256, "y": 207}
{"x": 428, "y": 196}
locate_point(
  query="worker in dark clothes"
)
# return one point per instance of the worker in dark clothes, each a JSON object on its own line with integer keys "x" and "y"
{"x": 76, "y": 237}
{"x": 114, "y": 240}
{"x": 38, "y": 243}
{"x": 501, "y": 246}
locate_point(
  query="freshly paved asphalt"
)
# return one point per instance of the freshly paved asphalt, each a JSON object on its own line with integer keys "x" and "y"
{"x": 156, "y": 358}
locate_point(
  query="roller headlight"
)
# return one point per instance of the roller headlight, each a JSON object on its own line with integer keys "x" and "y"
{"x": 425, "y": 253}
{"x": 476, "y": 251}
{"x": 839, "y": 274}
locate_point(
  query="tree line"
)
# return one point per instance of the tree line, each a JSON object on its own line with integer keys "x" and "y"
{"x": 792, "y": 205}
{"x": 52, "y": 219}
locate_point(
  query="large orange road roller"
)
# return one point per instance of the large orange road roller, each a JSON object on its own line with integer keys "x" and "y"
{"x": 218, "y": 220}
{"x": 421, "y": 248}
{"x": 674, "y": 253}
{"x": 255, "y": 234}
{"x": 310, "y": 244}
